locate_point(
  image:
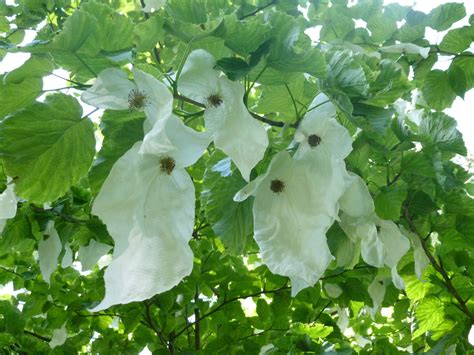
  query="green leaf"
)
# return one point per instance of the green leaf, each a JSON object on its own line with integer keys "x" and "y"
{"x": 466, "y": 63}
{"x": 381, "y": 27}
{"x": 11, "y": 320}
{"x": 244, "y": 37}
{"x": 436, "y": 90}
{"x": 457, "y": 80}
{"x": 121, "y": 129}
{"x": 347, "y": 74}
{"x": 291, "y": 49}
{"x": 457, "y": 40}
{"x": 148, "y": 33}
{"x": 429, "y": 314}
{"x": 337, "y": 23}
{"x": 48, "y": 146}
{"x": 438, "y": 129}
{"x": 16, "y": 96}
{"x": 418, "y": 163}
{"x": 234, "y": 68}
{"x": 388, "y": 202}
{"x": 35, "y": 67}
{"x": 231, "y": 221}
{"x": 315, "y": 331}
{"x": 442, "y": 17}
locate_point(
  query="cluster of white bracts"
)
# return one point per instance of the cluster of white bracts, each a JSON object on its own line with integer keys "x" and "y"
{"x": 148, "y": 199}
{"x": 296, "y": 200}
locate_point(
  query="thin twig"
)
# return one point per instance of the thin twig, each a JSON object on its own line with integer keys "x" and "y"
{"x": 439, "y": 268}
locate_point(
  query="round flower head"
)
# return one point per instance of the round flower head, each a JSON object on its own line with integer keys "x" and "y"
{"x": 320, "y": 131}
{"x": 291, "y": 218}
{"x": 113, "y": 90}
{"x": 233, "y": 129}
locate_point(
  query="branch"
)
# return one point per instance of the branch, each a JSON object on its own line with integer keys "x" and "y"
{"x": 223, "y": 304}
{"x": 150, "y": 323}
{"x": 254, "y": 115}
{"x": 41, "y": 337}
{"x": 258, "y": 9}
{"x": 439, "y": 268}
{"x": 197, "y": 319}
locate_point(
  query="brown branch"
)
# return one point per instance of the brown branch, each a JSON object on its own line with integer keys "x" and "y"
{"x": 152, "y": 325}
{"x": 197, "y": 319}
{"x": 439, "y": 268}
{"x": 41, "y": 337}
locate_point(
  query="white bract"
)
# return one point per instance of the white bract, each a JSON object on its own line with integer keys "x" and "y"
{"x": 49, "y": 248}
{"x": 59, "y": 337}
{"x": 7, "y": 205}
{"x": 152, "y": 225}
{"x": 290, "y": 220}
{"x": 89, "y": 255}
{"x": 408, "y": 48}
{"x": 381, "y": 241}
{"x": 320, "y": 131}
{"x": 113, "y": 90}
{"x": 377, "y": 291}
{"x": 153, "y": 5}
{"x": 233, "y": 129}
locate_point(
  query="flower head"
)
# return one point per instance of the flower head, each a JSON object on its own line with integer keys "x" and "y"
{"x": 319, "y": 131}
{"x": 233, "y": 129}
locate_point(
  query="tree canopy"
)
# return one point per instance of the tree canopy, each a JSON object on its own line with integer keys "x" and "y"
{"x": 210, "y": 178}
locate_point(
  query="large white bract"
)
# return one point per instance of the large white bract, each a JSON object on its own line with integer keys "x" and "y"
{"x": 290, "y": 225}
{"x": 381, "y": 242}
{"x": 113, "y": 90}
{"x": 152, "y": 225}
{"x": 233, "y": 129}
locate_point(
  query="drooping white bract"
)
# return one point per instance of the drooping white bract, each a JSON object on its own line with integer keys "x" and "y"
{"x": 377, "y": 290}
{"x": 59, "y": 337}
{"x": 320, "y": 131}
{"x": 153, "y": 223}
{"x": 113, "y": 90}
{"x": 233, "y": 129}
{"x": 419, "y": 255}
{"x": 396, "y": 245}
{"x": 153, "y": 5}
{"x": 7, "y": 205}
{"x": 408, "y": 48}
{"x": 49, "y": 248}
{"x": 89, "y": 255}
{"x": 381, "y": 241}
{"x": 290, "y": 220}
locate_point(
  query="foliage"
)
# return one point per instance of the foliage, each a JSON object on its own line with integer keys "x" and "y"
{"x": 407, "y": 154}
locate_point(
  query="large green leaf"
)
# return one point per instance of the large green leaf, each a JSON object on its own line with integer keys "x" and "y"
{"x": 231, "y": 221}
{"x": 388, "y": 202}
{"x": 347, "y": 74}
{"x": 457, "y": 40}
{"x": 437, "y": 91}
{"x": 429, "y": 315}
{"x": 439, "y": 129}
{"x": 291, "y": 49}
{"x": 442, "y": 17}
{"x": 22, "y": 86}
{"x": 48, "y": 147}
{"x": 245, "y": 36}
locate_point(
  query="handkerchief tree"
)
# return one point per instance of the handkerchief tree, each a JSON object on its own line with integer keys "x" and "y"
{"x": 249, "y": 177}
